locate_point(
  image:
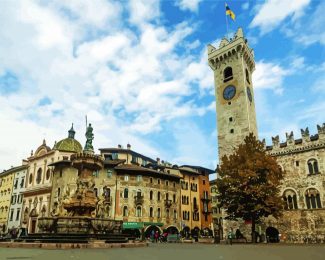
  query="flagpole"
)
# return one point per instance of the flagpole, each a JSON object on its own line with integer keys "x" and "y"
{"x": 227, "y": 23}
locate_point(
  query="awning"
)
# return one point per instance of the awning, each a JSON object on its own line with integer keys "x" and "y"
{"x": 139, "y": 225}
{"x": 159, "y": 224}
{"x": 132, "y": 225}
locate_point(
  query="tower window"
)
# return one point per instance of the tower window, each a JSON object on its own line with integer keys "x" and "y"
{"x": 227, "y": 74}
{"x": 247, "y": 77}
{"x": 231, "y": 131}
{"x": 230, "y": 119}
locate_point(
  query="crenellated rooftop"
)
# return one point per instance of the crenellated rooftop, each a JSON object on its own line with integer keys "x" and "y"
{"x": 292, "y": 145}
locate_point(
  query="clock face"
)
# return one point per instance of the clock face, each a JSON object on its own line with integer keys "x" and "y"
{"x": 229, "y": 92}
{"x": 249, "y": 94}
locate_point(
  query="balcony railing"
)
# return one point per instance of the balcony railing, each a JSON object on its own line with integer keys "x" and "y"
{"x": 138, "y": 199}
{"x": 168, "y": 203}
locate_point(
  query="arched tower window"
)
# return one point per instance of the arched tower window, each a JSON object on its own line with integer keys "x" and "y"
{"x": 227, "y": 74}
{"x": 290, "y": 199}
{"x": 125, "y": 211}
{"x": 312, "y": 197}
{"x": 126, "y": 193}
{"x": 247, "y": 76}
{"x": 151, "y": 195}
{"x": 151, "y": 212}
{"x": 313, "y": 166}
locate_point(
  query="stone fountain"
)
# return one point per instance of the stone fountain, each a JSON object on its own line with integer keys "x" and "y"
{"x": 83, "y": 212}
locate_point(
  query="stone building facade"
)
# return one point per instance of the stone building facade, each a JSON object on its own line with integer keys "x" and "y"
{"x": 303, "y": 187}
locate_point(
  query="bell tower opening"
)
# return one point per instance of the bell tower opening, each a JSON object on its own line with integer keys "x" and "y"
{"x": 233, "y": 64}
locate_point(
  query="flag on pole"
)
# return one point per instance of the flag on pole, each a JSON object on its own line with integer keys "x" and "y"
{"x": 230, "y": 13}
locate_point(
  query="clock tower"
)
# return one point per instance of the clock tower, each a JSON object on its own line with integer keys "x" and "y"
{"x": 233, "y": 64}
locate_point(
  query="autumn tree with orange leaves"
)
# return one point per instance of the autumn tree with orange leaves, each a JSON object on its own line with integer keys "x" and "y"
{"x": 249, "y": 183}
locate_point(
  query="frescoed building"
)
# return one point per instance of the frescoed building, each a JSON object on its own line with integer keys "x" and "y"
{"x": 16, "y": 205}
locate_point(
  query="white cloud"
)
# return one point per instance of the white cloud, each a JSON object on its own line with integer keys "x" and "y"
{"x": 273, "y": 12}
{"x": 269, "y": 75}
{"x": 245, "y": 6}
{"x": 191, "y": 5}
{"x": 126, "y": 81}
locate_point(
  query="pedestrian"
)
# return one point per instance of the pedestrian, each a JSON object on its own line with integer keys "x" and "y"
{"x": 156, "y": 236}
{"x": 230, "y": 236}
{"x": 152, "y": 236}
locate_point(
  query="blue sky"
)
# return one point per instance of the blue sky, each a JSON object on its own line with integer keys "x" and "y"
{"x": 138, "y": 69}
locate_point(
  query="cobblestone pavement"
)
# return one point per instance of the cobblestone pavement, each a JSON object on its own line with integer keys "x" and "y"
{"x": 174, "y": 251}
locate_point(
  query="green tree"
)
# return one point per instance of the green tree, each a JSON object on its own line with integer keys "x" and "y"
{"x": 249, "y": 183}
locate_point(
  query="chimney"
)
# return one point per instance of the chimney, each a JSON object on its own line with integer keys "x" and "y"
{"x": 119, "y": 146}
{"x": 128, "y": 146}
{"x": 158, "y": 160}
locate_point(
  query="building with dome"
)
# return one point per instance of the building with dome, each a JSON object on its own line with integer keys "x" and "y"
{"x": 37, "y": 193}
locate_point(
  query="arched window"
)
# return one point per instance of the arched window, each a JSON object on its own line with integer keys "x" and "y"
{"x": 125, "y": 211}
{"x": 139, "y": 211}
{"x": 39, "y": 176}
{"x": 59, "y": 192}
{"x": 290, "y": 199}
{"x": 138, "y": 193}
{"x": 174, "y": 198}
{"x": 247, "y": 76}
{"x": 167, "y": 213}
{"x": 126, "y": 193}
{"x": 158, "y": 213}
{"x": 48, "y": 174}
{"x": 312, "y": 197}
{"x": 151, "y": 212}
{"x": 96, "y": 192}
{"x": 227, "y": 74}
{"x": 175, "y": 214}
{"x": 167, "y": 196}
{"x": 313, "y": 166}
{"x": 158, "y": 196}
{"x": 151, "y": 195}
{"x": 30, "y": 178}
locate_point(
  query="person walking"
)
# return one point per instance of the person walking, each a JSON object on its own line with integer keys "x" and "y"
{"x": 230, "y": 236}
{"x": 156, "y": 236}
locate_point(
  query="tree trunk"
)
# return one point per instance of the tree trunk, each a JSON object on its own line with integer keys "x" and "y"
{"x": 253, "y": 231}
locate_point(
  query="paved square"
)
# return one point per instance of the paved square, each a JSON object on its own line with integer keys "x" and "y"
{"x": 174, "y": 251}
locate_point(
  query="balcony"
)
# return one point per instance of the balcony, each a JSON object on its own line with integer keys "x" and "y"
{"x": 168, "y": 203}
{"x": 138, "y": 199}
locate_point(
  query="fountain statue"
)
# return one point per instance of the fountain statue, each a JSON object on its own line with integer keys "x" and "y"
{"x": 83, "y": 212}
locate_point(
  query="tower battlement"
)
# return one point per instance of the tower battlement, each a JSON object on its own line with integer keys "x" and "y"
{"x": 292, "y": 145}
{"x": 228, "y": 48}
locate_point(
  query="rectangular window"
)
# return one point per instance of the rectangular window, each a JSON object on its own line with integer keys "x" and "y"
{"x": 203, "y": 182}
{"x": 114, "y": 156}
{"x": 18, "y": 215}
{"x": 22, "y": 182}
{"x": 297, "y": 163}
{"x": 12, "y": 214}
{"x": 139, "y": 178}
{"x": 126, "y": 177}
{"x": 230, "y": 119}
{"x": 109, "y": 173}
